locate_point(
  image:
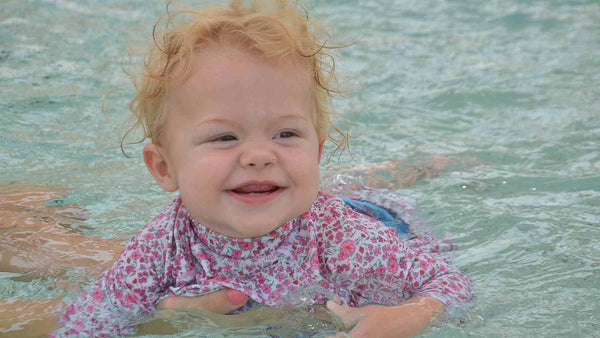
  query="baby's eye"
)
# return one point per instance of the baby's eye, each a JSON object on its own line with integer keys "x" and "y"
{"x": 285, "y": 134}
{"x": 224, "y": 138}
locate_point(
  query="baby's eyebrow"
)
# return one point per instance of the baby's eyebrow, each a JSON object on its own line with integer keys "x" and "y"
{"x": 292, "y": 117}
{"x": 234, "y": 123}
{"x": 217, "y": 120}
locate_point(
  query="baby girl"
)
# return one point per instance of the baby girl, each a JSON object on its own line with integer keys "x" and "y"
{"x": 236, "y": 103}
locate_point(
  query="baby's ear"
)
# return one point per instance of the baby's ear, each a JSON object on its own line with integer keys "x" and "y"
{"x": 159, "y": 167}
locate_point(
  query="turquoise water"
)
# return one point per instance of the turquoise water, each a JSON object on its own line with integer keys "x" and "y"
{"x": 509, "y": 89}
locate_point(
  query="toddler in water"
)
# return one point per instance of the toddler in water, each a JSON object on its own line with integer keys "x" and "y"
{"x": 236, "y": 103}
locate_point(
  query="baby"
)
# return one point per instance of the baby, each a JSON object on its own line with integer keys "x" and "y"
{"x": 236, "y": 104}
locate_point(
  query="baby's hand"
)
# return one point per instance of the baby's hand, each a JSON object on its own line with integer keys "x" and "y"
{"x": 363, "y": 321}
{"x": 404, "y": 320}
{"x": 349, "y": 316}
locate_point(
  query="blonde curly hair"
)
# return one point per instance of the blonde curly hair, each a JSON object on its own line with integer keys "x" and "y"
{"x": 274, "y": 28}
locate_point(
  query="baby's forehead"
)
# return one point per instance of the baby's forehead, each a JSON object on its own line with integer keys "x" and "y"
{"x": 219, "y": 74}
{"x": 214, "y": 62}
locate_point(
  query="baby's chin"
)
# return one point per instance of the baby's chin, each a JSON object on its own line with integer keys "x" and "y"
{"x": 253, "y": 221}
{"x": 259, "y": 229}
{"x": 243, "y": 229}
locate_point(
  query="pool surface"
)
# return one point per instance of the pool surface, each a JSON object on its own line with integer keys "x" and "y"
{"x": 509, "y": 90}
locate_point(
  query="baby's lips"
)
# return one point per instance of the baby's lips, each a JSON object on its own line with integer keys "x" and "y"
{"x": 255, "y": 188}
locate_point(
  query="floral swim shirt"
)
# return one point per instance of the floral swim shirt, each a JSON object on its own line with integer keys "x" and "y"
{"x": 331, "y": 247}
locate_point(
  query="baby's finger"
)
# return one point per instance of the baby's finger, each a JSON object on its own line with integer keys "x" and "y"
{"x": 349, "y": 315}
{"x": 221, "y": 301}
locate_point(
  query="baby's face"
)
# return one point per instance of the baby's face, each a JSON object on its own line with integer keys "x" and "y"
{"x": 240, "y": 141}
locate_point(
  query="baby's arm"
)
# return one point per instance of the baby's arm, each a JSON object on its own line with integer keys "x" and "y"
{"x": 432, "y": 283}
{"x": 379, "y": 268}
{"x": 123, "y": 295}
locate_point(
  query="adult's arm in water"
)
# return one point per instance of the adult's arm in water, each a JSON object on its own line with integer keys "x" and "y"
{"x": 37, "y": 317}
{"x": 223, "y": 301}
{"x": 393, "y": 174}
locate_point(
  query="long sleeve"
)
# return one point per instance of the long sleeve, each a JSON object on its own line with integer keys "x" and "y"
{"x": 124, "y": 294}
{"x": 369, "y": 259}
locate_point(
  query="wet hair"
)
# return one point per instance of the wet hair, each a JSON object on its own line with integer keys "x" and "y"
{"x": 273, "y": 29}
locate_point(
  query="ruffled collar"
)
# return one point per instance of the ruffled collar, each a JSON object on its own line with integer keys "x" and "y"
{"x": 233, "y": 247}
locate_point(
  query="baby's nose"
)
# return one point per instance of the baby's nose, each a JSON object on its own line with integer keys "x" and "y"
{"x": 258, "y": 156}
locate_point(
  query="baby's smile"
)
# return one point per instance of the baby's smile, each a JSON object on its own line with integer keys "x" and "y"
{"x": 256, "y": 192}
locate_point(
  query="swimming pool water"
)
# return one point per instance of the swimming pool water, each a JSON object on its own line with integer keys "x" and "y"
{"x": 509, "y": 89}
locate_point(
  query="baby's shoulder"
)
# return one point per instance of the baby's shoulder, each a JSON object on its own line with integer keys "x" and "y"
{"x": 158, "y": 232}
{"x": 333, "y": 216}
{"x": 326, "y": 201}
{"x": 328, "y": 209}
{"x": 340, "y": 231}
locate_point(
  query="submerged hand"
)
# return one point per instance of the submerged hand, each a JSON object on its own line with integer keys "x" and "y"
{"x": 221, "y": 301}
{"x": 404, "y": 320}
{"x": 347, "y": 314}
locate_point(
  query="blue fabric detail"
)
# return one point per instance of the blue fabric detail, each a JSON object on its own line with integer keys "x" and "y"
{"x": 379, "y": 213}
